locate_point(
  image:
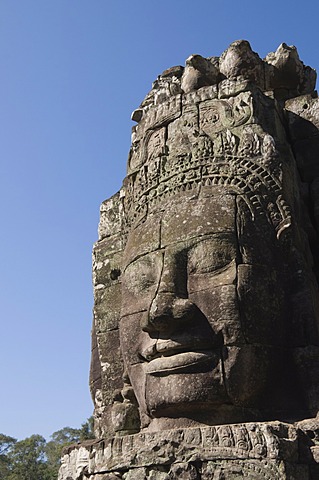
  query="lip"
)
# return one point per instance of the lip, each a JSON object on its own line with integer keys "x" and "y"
{"x": 180, "y": 352}
{"x": 178, "y": 361}
{"x": 170, "y": 347}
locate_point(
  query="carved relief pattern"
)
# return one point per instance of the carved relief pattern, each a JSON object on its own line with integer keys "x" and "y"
{"x": 254, "y": 441}
{"x": 223, "y": 150}
{"x": 218, "y": 115}
{"x": 250, "y": 449}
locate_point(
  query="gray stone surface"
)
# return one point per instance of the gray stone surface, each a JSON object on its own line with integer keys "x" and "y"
{"x": 205, "y": 342}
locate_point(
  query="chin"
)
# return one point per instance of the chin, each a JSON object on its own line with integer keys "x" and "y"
{"x": 184, "y": 393}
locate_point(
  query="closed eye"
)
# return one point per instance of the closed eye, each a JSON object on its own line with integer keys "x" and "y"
{"x": 211, "y": 255}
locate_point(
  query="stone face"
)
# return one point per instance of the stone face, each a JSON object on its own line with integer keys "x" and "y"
{"x": 205, "y": 342}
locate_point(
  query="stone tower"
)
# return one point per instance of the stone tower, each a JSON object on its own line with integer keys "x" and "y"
{"x": 205, "y": 340}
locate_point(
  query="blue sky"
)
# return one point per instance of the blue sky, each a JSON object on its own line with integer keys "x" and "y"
{"x": 72, "y": 71}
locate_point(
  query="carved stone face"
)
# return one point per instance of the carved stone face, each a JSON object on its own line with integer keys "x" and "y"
{"x": 189, "y": 348}
{"x": 214, "y": 296}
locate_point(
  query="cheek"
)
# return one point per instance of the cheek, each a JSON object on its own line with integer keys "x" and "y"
{"x": 135, "y": 302}
{"x": 220, "y": 307}
{"x": 262, "y": 302}
{"x": 140, "y": 283}
{"x": 133, "y": 342}
{"x": 247, "y": 370}
{"x": 132, "y": 338}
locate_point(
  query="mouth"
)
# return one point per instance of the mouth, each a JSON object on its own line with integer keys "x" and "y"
{"x": 176, "y": 362}
{"x": 171, "y": 356}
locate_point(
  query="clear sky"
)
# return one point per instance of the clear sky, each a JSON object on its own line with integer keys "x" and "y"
{"x": 71, "y": 73}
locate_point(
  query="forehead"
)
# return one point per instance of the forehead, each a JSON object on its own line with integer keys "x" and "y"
{"x": 183, "y": 219}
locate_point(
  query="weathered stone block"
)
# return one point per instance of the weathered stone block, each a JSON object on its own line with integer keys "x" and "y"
{"x": 106, "y": 266}
{"x": 212, "y": 215}
{"x": 306, "y": 153}
{"x": 111, "y": 216}
{"x": 107, "y": 308}
{"x": 257, "y": 281}
{"x": 303, "y": 116}
{"x": 145, "y": 238}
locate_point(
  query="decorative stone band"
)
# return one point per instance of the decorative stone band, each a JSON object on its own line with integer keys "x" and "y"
{"x": 255, "y": 180}
{"x": 259, "y": 447}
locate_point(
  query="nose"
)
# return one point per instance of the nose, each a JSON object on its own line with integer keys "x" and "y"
{"x": 170, "y": 308}
{"x": 167, "y": 313}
